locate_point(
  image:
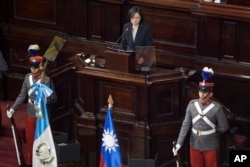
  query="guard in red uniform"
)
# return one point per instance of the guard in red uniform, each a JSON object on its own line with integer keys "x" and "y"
{"x": 30, "y": 78}
{"x": 206, "y": 120}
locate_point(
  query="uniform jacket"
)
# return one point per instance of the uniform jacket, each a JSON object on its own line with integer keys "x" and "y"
{"x": 24, "y": 94}
{"x": 143, "y": 37}
{"x": 203, "y": 142}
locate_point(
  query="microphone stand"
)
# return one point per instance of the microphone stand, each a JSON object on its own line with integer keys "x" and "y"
{"x": 116, "y": 42}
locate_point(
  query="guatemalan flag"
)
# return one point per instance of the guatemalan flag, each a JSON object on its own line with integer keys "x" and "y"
{"x": 44, "y": 153}
{"x": 110, "y": 150}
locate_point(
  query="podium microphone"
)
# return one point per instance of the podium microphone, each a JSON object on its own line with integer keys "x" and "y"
{"x": 126, "y": 30}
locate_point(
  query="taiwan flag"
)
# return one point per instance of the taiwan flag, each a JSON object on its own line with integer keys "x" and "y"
{"x": 44, "y": 153}
{"x": 110, "y": 150}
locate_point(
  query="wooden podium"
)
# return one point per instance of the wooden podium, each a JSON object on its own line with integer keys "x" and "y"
{"x": 155, "y": 103}
{"x": 120, "y": 61}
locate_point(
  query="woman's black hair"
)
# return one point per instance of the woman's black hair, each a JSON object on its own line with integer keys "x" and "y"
{"x": 136, "y": 9}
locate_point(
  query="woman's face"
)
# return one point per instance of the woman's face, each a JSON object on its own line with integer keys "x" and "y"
{"x": 135, "y": 20}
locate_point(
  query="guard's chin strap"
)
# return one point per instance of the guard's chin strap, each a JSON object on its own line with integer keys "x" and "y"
{"x": 206, "y": 96}
{"x": 37, "y": 75}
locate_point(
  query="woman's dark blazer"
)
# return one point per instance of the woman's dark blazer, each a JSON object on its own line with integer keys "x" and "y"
{"x": 143, "y": 37}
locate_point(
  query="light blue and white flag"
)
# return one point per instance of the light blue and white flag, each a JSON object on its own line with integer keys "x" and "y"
{"x": 44, "y": 153}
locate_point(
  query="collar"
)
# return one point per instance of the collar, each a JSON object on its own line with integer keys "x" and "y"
{"x": 205, "y": 104}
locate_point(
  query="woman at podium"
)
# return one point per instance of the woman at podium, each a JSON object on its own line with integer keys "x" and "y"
{"x": 135, "y": 32}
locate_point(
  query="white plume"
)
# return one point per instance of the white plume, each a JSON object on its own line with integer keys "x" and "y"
{"x": 34, "y": 47}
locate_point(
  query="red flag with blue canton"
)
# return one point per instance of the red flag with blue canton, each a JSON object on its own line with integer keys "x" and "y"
{"x": 110, "y": 150}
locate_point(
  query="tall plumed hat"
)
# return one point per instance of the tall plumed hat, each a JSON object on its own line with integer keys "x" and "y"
{"x": 205, "y": 85}
{"x": 33, "y": 49}
{"x": 34, "y": 58}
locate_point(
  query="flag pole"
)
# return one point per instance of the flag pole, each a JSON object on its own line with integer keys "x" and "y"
{"x": 43, "y": 69}
{"x": 110, "y": 101}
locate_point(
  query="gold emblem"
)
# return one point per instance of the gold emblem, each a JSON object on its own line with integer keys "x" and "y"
{"x": 43, "y": 152}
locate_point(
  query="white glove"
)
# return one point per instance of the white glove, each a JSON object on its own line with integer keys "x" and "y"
{"x": 176, "y": 149}
{"x": 10, "y": 113}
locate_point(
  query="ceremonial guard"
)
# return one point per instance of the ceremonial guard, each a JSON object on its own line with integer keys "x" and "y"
{"x": 205, "y": 120}
{"x": 36, "y": 68}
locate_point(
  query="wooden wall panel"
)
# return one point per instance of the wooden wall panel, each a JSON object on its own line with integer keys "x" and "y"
{"x": 3, "y": 11}
{"x": 173, "y": 31}
{"x": 112, "y": 27}
{"x": 229, "y": 40}
{"x": 64, "y": 16}
{"x": 96, "y": 25}
{"x": 182, "y": 33}
{"x": 124, "y": 94}
{"x": 121, "y": 94}
{"x": 166, "y": 105}
{"x": 126, "y": 149}
{"x": 36, "y": 10}
{"x": 238, "y": 87}
{"x": 243, "y": 43}
{"x": 238, "y": 2}
{"x": 65, "y": 91}
{"x": 72, "y": 17}
{"x": 19, "y": 57}
{"x": 78, "y": 18}
{"x": 104, "y": 21}
{"x": 210, "y": 32}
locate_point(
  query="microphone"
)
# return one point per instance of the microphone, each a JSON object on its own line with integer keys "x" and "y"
{"x": 126, "y": 30}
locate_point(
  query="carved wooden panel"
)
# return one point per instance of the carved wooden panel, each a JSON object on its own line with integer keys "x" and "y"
{"x": 101, "y": 27}
{"x": 239, "y": 2}
{"x": 95, "y": 27}
{"x": 229, "y": 40}
{"x": 237, "y": 88}
{"x": 112, "y": 27}
{"x": 192, "y": 30}
{"x": 19, "y": 56}
{"x": 78, "y": 18}
{"x": 121, "y": 94}
{"x": 36, "y": 10}
{"x": 3, "y": 10}
{"x": 173, "y": 31}
{"x": 66, "y": 93}
{"x": 210, "y": 37}
{"x": 164, "y": 102}
{"x": 243, "y": 43}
